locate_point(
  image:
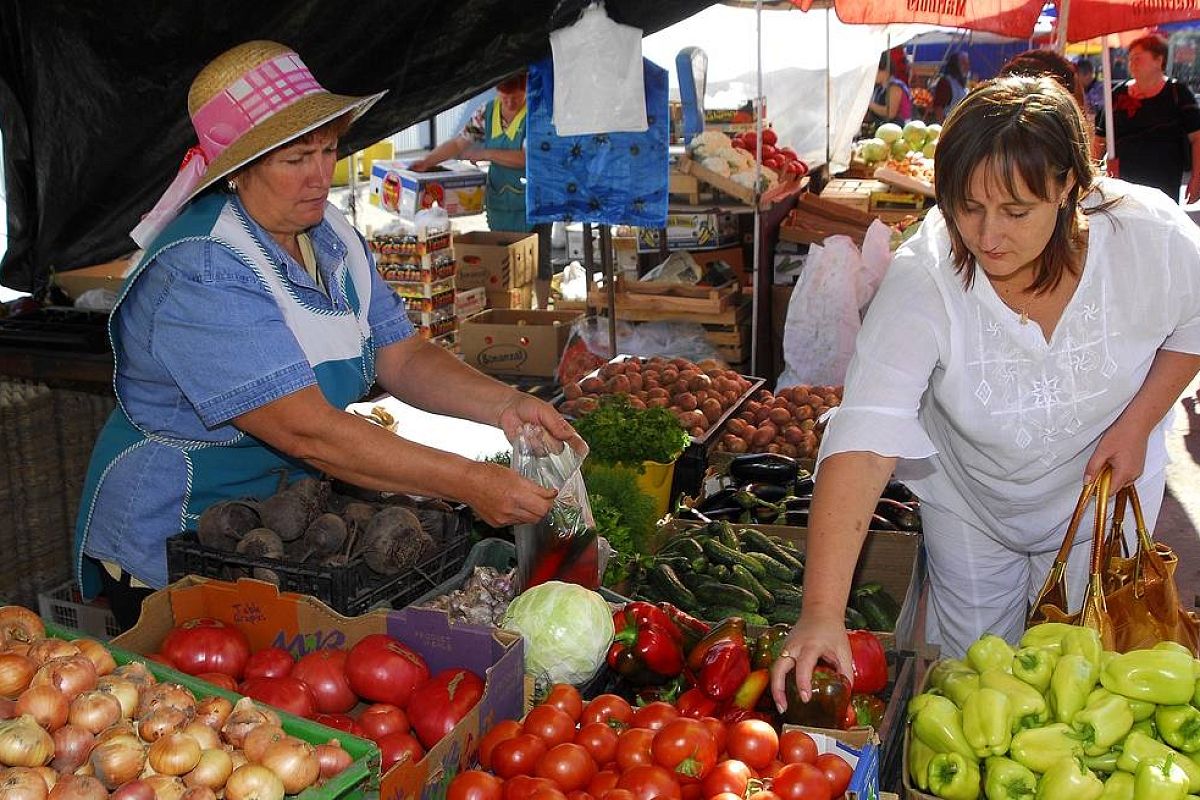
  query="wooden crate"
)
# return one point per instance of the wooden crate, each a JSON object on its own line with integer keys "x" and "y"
{"x": 686, "y": 186}
{"x": 785, "y": 186}
{"x": 738, "y": 312}
{"x": 667, "y": 297}
{"x": 853, "y": 192}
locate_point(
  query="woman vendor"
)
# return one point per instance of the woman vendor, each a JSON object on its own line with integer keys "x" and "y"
{"x": 253, "y": 319}
{"x": 1038, "y": 327}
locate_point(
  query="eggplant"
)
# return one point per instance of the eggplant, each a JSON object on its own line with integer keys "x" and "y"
{"x": 764, "y": 515}
{"x": 767, "y": 492}
{"x": 797, "y": 503}
{"x": 732, "y": 513}
{"x": 721, "y": 499}
{"x": 804, "y": 486}
{"x": 691, "y": 515}
{"x": 797, "y": 518}
{"x": 764, "y": 468}
{"x": 880, "y": 523}
{"x": 902, "y": 515}
{"x": 895, "y": 490}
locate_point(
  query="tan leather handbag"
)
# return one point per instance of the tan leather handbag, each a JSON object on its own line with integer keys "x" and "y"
{"x": 1131, "y": 600}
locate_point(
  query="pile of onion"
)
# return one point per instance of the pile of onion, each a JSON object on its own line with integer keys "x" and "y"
{"x": 75, "y": 726}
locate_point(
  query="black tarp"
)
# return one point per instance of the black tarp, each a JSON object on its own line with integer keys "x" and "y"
{"x": 93, "y": 95}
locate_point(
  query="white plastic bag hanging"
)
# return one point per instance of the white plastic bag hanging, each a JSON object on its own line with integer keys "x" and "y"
{"x": 598, "y": 80}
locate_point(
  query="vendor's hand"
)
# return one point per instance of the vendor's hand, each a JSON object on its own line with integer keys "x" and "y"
{"x": 524, "y": 408}
{"x": 421, "y": 165}
{"x": 499, "y": 496}
{"x": 476, "y": 154}
{"x": 1123, "y": 447}
{"x": 811, "y": 639}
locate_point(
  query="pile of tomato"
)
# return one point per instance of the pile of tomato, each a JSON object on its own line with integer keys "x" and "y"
{"x": 606, "y": 749}
{"x": 380, "y": 688}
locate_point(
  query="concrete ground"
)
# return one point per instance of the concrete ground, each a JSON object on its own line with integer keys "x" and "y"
{"x": 1179, "y": 520}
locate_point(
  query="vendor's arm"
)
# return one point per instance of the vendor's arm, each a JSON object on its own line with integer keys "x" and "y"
{"x": 452, "y": 148}
{"x": 505, "y": 158}
{"x": 843, "y": 501}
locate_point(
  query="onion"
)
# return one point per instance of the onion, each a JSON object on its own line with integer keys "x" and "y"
{"x": 213, "y": 711}
{"x": 19, "y": 624}
{"x": 15, "y": 673}
{"x": 70, "y": 675}
{"x": 8, "y": 708}
{"x": 23, "y": 743}
{"x": 259, "y": 739}
{"x": 295, "y": 762}
{"x": 125, "y": 690}
{"x": 199, "y": 793}
{"x": 119, "y": 730}
{"x": 161, "y": 722}
{"x": 137, "y": 672}
{"x": 117, "y": 761}
{"x": 78, "y": 787}
{"x": 48, "y": 775}
{"x": 165, "y": 695}
{"x": 72, "y": 746}
{"x": 212, "y": 771}
{"x": 245, "y": 715}
{"x": 42, "y": 650}
{"x": 101, "y": 659}
{"x": 94, "y": 711}
{"x": 205, "y": 736}
{"x": 254, "y": 782}
{"x": 134, "y": 790}
{"x": 166, "y": 787}
{"x": 174, "y": 754}
{"x": 22, "y": 783}
{"x": 47, "y": 705}
{"x": 333, "y": 758}
{"x": 238, "y": 758}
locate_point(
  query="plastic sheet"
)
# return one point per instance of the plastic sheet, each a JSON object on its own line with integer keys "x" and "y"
{"x": 587, "y": 344}
{"x": 599, "y": 89}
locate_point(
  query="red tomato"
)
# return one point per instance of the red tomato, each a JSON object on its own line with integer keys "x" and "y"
{"x": 837, "y": 771}
{"x": 802, "y": 782}
{"x": 764, "y": 794}
{"x": 523, "y": 787}
{"x": 501, "y": 731}
{"x": 602, "y": 781}
{"x": 547, "y": 793}
{"x": 324, "y": 671}
{"x": 475, "y": 785}
{"x": 343, "y": 722}
{"x": 728, "y": 776}
{"x": 550, "y": 724}
{"x": 207, "y": 645}
{"x": 717, "y": 730}
{"x": 649, "y": 782}
{"x": 768, "y": 151}
{"x": 569, "y": 765}
{"x": 769, "y": 137}
{"x": 383, "y": 670}
{"x": 160, "y": 658}
{"x": 686, "y": 748}
{"x": 691, "y": 791}
{"x": 566, "y": 698}
{"x": 771, "y": 770}
{"x": 580, "y": 794}
{"x": 398, "y": 748}
{"x": 599, "y": 740}
{"x": 788, "y": 153}
{"x": 219, "y": 679}
{"x": 270, "y": 662}
{"x": 617, "y": 794}
{"x": 797, "y": 747}
{"x": 613, "y": 710}
{"x": 633, "y": 748}
{"x": 774, "y": 162}
{"x": 749, "y": 140}
{"x": 381, "y": 719}
{"x": 754, "y": 742}
{"x": 796, "y": 167}
{"x": 725, "y": 796}
{"x": 654, "y": 715}
{"x": 288, "y": 693}
{"x": 518, "y": 755}
{"x": 439, "y": 703}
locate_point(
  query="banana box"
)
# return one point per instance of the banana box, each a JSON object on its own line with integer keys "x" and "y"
{"x": 456, "y": 186}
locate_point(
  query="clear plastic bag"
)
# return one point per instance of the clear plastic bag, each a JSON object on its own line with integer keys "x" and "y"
{"x": 563, "y": 545}
{"x": 598, "y": 84}
{"x": 587, "y": 344}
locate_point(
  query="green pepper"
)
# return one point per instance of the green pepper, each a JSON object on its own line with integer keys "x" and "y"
{"x": 1048, "y": 634}
{"x": 953, "y": 776}
{"x": 1038, "y": 748}
{"x": 1119, "y": 786}
{"x": 1074, "y": 677}
{"x": 1139, "y": 747}
{"x": 1179, "y": 726}
{"x": 986, "y": 722}
{"x": 1196, "y": 694}
{"x": 1146, "y": 726}
{"x": 989, "y": 652}
{"x": 939, "y": 671}
{"x": 1139, "y": 708}
{"x": 919, "y": 756}
{"x": 1084, "y": 642}
{"x": 1103, "y": 723}
{"x": 1156, "y": 676}
{"x": 1028, "y": 706}
{"x": 938, "y": 723}
{"x": 1068, "y": 779}
{"x": 954, "y": 679}
{"x": 1005, "y": 779}
{"x": 1160, "y": 780}
{"x": 1167, "y": 644}
{"x": 1034, "y": 665}
{"x": 1105, "y": 762}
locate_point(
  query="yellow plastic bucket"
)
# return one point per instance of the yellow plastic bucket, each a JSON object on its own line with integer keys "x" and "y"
{"x": 655, "y": 481}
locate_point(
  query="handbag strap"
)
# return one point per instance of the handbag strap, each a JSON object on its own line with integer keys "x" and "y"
{"x": 1056, "y": 579}
{"x": 1145, "y": 544}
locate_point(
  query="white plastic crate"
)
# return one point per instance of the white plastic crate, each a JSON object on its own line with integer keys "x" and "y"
{"x": 63, "y": 605}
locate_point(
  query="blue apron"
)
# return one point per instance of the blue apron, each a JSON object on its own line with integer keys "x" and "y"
{"x": 124, "y": 518}
{"x": 505, "y": 197}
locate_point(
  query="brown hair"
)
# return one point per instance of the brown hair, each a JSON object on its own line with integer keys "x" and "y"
{"x": 1048, "y": 63}
{"x": 1154, "y": 45}
{"x": 513, "y": 83}
{"x": 1024, "y": 127}
{"x": 334, "y": 129}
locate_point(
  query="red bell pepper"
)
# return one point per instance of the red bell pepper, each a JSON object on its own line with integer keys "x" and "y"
{"x": 695, "y": 704}
{"x": 827, "y": 705}
{"x": 692, "y": 629}
{"x": 753, "y": 688}
{"x": 647, "y": 646}
{"x": 720, "y": 662}
{"x": 865, "y": 709}
{"x": 870, "y": 662}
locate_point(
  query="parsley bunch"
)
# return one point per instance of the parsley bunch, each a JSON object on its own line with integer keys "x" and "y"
{"x": 618, "y": 433}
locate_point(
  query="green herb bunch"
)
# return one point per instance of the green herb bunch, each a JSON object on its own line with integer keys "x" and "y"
{"x": 618, "y": 433}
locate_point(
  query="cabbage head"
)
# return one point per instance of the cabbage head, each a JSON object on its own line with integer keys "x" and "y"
{"x": 567, "y": 631}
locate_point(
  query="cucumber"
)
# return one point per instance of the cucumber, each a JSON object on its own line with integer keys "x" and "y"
{"x": 718, "y": 613}
{"x": 675, "y": 562}
{"x": 787, "y": 595}
{"x": 727, "y": 594}
{"x": 665, "y": 579}
{"x": 855, "y": 620}
{"x": 742, "y": 577}
{"x": 721, "y": 554}
{"x": 699, "y": 564}
{"x": 774, "y": 568}
{"x": 878, "y": 607}
{"x": 684, "y": 546}
{"x": 718, "y": 571}
{"x": 784, "y": 614}
{"x": 728, "y": 536}
{"x": 757, "y": 542}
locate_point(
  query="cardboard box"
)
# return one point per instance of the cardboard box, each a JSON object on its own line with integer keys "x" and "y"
{"x": 575, "y": 242}
{"x": 456, "y": 186}
{"x": 860, "y": 748}
{"x": 519, "y": 299}
{"x": 469, "y": 302}
{"x": 511, "y": 342}
{"x": 301, "y": 624}
{"x": 109, "y": 275}
{"x": 496, "y": 260}
{"x": 692, "y": 228}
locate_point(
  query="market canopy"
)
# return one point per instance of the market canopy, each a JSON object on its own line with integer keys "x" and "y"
{"x": 93, "y": 95}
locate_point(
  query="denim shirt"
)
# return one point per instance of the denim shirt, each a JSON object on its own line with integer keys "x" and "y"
{"x": 203, "y": 341}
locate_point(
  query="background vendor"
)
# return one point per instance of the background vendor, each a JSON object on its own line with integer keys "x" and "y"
{"x": 496, "y": 134}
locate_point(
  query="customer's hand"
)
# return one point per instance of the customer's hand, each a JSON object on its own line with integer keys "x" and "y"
{"x": 523, "y": 408}
{"x": 1193, "y": 188}
{"x": 813, "y": 638}
{"x": 1123, "y": 447}
{"x": 499, "y": 496}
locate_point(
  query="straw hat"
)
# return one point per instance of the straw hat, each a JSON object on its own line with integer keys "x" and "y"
{"x": 246, "y": 102}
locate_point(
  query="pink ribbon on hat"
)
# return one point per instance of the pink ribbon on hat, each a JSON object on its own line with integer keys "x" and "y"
{"x": 261, "y": 92}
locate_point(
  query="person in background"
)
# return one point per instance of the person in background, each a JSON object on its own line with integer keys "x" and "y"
{"x": 1051, "y": 319}
{"x": 496, "y": 134}
{"x": 950, "y": 85}
{"x": 1157, "y": 124}
{"x": 1093, "y": 87}
{"x": 891, "y": 100}
{"x": 901, "y": 65}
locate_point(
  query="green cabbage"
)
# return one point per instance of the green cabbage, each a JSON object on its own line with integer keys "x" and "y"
{"x": 567, "y": 631}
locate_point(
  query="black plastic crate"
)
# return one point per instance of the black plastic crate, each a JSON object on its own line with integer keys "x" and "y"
{"x": 350, "y": 590}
